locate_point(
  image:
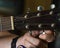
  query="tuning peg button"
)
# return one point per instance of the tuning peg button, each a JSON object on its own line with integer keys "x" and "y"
{"x": 40, "y": 8}
{"x": 52, "y": 6}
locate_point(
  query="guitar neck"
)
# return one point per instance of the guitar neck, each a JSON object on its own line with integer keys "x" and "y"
{"x": 10, "y": 22}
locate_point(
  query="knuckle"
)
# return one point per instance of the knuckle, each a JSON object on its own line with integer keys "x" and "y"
{"x": 37, "y": 42}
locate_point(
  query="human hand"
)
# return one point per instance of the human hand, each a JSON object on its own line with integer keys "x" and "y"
{"x": 29, "y": 40}
{"x": 47, "y": 35}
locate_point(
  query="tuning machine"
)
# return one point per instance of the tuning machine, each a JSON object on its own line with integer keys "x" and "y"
{"x": 27, "y": 13}
{"x": 52, "y": 6}
{"x": 39, "y": 9}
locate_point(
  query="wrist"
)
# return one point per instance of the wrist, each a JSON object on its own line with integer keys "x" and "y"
{"x": 13, "y": 43}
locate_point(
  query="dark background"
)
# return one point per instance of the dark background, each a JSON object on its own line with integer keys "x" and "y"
{"x": 11, "y": 7}
{"x": 57, "y": 3}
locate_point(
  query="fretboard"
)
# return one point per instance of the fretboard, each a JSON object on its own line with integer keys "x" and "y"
{"x": 11, "y": 23}
{"x": 6, "y": 23}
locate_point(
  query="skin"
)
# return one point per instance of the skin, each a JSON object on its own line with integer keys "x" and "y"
{"x": 28, "y": 40}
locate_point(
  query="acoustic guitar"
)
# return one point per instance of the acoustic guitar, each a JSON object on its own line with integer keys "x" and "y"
{"x": 33, "y": 21}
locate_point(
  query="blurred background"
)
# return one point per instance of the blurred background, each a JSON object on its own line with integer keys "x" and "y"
{"x": 17, "y": 7}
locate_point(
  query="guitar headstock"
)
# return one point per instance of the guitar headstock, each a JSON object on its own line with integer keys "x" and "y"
{"x": 40, "y": 11}
{"x": 42, "y": 19}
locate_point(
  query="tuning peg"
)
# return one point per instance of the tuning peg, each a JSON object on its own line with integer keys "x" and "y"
{"x": 39, "y": 25}
{"x": 52, "y": 6}
{"x": 39, "y": 8}
{"x": 26, "y": 16}
{"x": 27, "y": 12}
{"x": 52, "y": 25}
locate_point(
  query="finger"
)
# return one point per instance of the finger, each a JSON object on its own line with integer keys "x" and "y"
{"x": 43, "y": 36}
{"x": 48, "y": 31}
{"x": 48, "y": 36}
{"x": 28, "y": 44}
{"x": 34, "y": 33}
{"x": 31, "y": 39}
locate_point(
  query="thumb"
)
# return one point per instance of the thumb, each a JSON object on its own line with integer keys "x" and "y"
{"x": 28, "y": 34}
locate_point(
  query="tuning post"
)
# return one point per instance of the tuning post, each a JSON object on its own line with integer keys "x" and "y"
{"x": 26, "y": 16}
{"x": 28, "y": 11}
{"x": 27, "y": 26}
{"x": 39, "y": 8}
{"x": 52, "y": 7}
{"x": 52, "y": 25}
{"x": 39, "y": 25}
{"x": 38, "y": 14}
{"x": 51, "y": 12}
